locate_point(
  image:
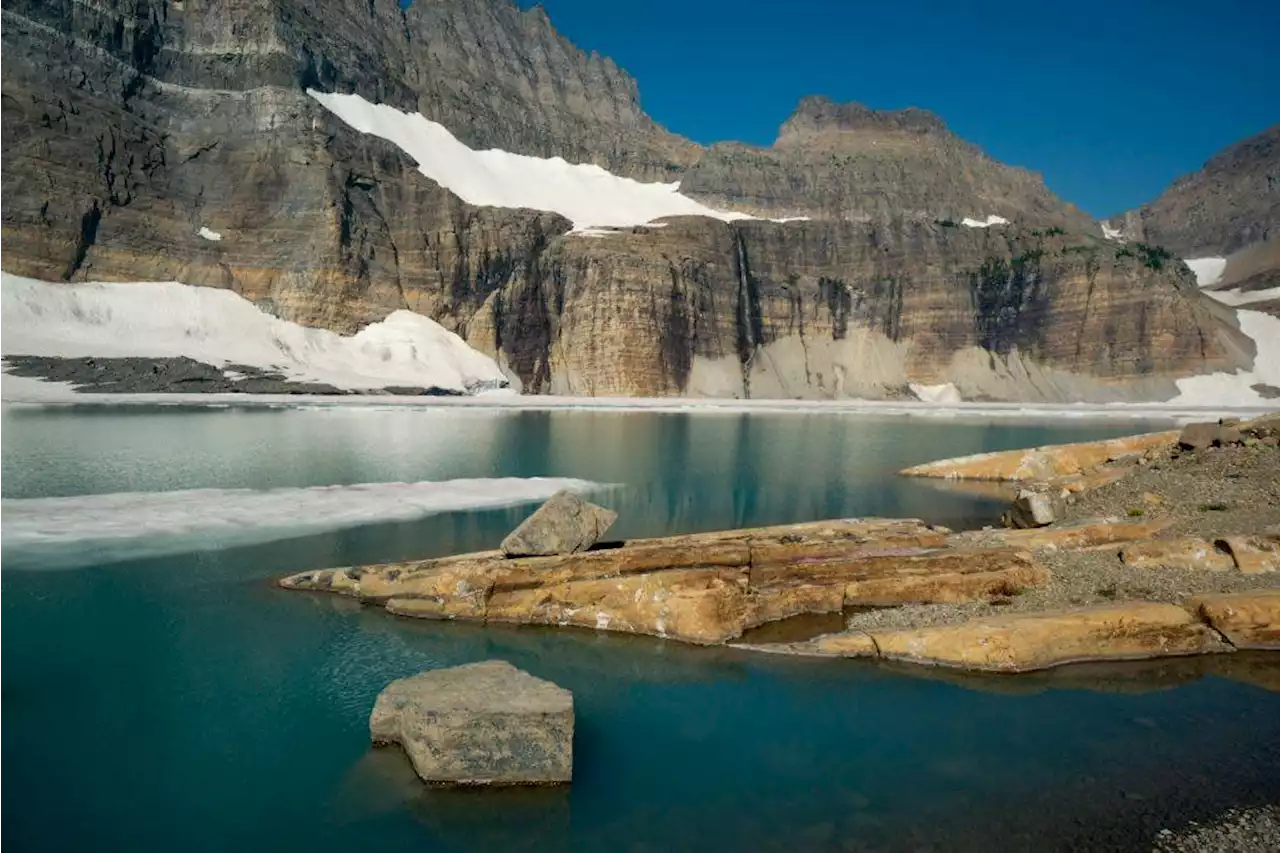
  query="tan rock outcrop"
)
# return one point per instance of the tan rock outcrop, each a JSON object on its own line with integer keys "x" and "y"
{"x": 1043, "y": 463}
{"x": 1253, "y": 555}
{"x": 1084, "y": 534}
{"x": 950, "y": 588}
{"x": 1185, "y": 552}
{"x": 697, "y": 606}
{"x": 1249, "y": 620}
{"x": 1019, "y": 643}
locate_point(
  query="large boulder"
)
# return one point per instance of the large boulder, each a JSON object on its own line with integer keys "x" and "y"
{"x": 1033, "y": 509}
{"x": 565, "y": 524}
{"x": 480, "y": 724}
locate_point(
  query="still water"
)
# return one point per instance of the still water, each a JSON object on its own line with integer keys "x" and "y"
{"x": 183, "y": 702}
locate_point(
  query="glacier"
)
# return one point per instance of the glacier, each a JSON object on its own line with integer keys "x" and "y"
{"x": 219, "y": 327}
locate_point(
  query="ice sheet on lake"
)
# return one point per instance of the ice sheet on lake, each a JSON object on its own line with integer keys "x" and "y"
{"x": 64, "y": 532}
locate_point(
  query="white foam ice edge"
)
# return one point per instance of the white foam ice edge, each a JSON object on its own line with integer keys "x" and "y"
{"x": 588, "y": 195}
{"x": 219, "y": 327}
{"x": 65, "y": 532}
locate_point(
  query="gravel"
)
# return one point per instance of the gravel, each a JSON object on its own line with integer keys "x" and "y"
{"x": 1238, "y": 831}
{"x": 1186, "y": 490}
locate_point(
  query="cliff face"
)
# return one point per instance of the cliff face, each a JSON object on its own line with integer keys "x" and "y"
{"x": 1228, "y": 209}
{"x": 842, "y": 309}
{"x": 130, "y": 127}
{"x": 1231, "y": 203}
{"x": 844, "y": 161}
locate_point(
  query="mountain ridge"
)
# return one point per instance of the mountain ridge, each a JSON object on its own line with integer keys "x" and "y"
{"x": 196, "y": 118}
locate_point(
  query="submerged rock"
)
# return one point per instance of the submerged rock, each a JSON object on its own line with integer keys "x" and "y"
{"x": 480, "y": 724}
{"x": 565, "y": 524}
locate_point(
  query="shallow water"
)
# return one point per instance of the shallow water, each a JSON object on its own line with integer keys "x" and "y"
{"x": 185, "y": 702}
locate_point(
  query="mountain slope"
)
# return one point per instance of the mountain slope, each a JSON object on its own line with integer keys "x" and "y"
{"x": 134, "y": 130}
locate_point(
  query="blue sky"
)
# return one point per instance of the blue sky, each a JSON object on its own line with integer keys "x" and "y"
{"x": 1109, "y": 100}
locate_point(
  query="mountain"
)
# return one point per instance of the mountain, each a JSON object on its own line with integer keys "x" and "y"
{"x": 863, "y": 253}
{"x": 1228, "y": 209}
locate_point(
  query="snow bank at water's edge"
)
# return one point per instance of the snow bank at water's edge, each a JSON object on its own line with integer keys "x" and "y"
{"x": 218, "y": 327}
{"x": 1235, "y": 389}
{"x": 65, "y": 532}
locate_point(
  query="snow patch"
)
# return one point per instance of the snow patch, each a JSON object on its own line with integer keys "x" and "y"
{"x": 1243, "y": 297}
{"x": 584, "y": 193}
{"x": 984, "y": 223}
{"x": 1110, "y": 233}
{"x": 945, "y": 394}
{"x": 1208, "y": 270}
{"x": 218, "y": 327}
{"x": 208, "y": 234}
{"x": 1226, "y": 389}
{"x": 65, "y": 532}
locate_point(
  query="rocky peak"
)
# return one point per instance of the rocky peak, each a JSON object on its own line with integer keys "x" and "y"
{"x": 818, "y": 114}
{"x": 1231, "y": 203}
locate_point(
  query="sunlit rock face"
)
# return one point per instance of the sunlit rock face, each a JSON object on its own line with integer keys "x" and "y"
{"x": 136, "y": 131}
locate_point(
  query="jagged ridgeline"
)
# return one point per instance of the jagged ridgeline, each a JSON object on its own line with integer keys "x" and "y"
{"x": 162, "y": 140}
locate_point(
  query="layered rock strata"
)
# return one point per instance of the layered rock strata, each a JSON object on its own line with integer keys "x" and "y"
{"x": 133, "y": 130}
{"x": 702, "y": 588}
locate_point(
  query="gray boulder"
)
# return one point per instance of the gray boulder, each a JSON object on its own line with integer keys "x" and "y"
{"x": 565, "y": 524}
{"x": 1033, "y": 509}
{"x": 480, "y": 724}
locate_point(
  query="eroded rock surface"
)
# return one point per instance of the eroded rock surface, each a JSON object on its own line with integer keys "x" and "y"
{"x": 479, "y": 724}
{"x": 1045, "y": 463}
{"x": 1249, "y": 620}
{"x": 565, "y": 524}
{"x": 1018, "y": 643}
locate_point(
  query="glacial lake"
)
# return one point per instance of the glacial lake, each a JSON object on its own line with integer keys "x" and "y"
{"x": 183, "y": 702}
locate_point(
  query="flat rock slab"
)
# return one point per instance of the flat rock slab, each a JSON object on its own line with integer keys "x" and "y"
{"x": 1249, "y": 620}
{"x": 1130, "y": 631}
{"x": 1183, "y": 552}
{"x": 565, "y": 524}
{"x": 1253, "y": 555}
{"x": 1045, "y": 463}
{"x": 480, "y": 724}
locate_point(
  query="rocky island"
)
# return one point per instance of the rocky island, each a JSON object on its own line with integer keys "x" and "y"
{"x": 1156, "y": 545}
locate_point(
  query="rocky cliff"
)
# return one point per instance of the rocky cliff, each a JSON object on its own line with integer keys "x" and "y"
{"x": 1228, "y": 209}
{"x": 131, "y": 127}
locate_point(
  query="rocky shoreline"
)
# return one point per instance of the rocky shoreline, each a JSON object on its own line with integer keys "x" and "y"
{"x": 1160, "y": 545}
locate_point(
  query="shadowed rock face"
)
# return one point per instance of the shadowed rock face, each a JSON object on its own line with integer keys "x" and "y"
{"x": 130, "y": 126}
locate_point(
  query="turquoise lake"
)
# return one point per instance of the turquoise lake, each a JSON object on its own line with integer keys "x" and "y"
{"x": 182, "y": 701}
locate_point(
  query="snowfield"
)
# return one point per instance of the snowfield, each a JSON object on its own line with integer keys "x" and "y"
{"x": 984, "y": 223}
{"x": 1233, "y": 389}
{"x": 586, "y": 194}
{"x": 218, "y": 327}
{"x": 1207, "y": 270}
